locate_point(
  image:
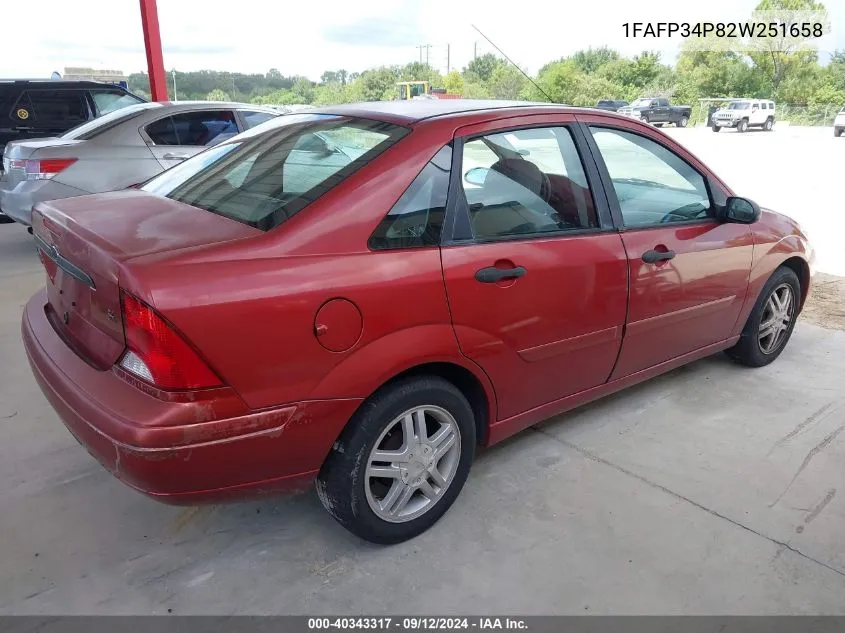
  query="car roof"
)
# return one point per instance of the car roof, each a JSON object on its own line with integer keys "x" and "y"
{"x": 59, "y": 83}
{"x": 413, "y": 111}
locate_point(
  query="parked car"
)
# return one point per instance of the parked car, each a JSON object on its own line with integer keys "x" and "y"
{"x": 610, "y": 104}
{"x": 658, "y": 111}
{"x": 839, "y": 123}
{"x": 33, "y": 108}
{"x": 118, "y": 150}
{"x": 745, "y": 113}
{"x": 467, "y": 270}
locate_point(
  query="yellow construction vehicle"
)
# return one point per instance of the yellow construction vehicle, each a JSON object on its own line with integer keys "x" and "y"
{"x": 409, "y": 89}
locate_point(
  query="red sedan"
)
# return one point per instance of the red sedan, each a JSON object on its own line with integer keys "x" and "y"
{"x": 365, "y": 294}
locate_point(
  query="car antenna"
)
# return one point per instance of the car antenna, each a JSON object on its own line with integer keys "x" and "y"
{"x": 512, "y": 62}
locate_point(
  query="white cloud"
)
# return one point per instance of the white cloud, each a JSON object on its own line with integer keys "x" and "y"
{"x": 310, "y": 37}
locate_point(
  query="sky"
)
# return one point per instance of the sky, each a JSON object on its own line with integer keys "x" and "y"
{"x": 306, "y": 38}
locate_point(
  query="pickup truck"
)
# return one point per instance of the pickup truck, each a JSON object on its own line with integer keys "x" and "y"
{"x": 658, "y": 110}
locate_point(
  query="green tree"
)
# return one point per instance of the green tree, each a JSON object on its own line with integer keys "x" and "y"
{"x": 507, "y": 82}
{"x": 454, "y": 82}
{"x": 777, "y": 58}
{"x": 304, "y": 89}
{"x": 217, "y": 95}
{"x": 590, "y": 60}
{"x": 374, "y": 85}
{"x": 483, "y": 67}
{"x": 558, "y": 82}
{"x": 475, "y": 90}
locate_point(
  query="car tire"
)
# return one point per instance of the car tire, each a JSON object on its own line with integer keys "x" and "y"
{"x": 837, "y": 132}
{"x": 769, "y": 124}
{"x": 716, "y": 128}
{"x": 682, "y": 122}
{"x": 372, "y": 507}
{"x": 742, "y": 126}
{"x": 756, "y": 349}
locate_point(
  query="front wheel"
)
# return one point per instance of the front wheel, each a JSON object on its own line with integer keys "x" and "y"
{"x": 401, "y": 462}
{"x": 682, "y": 122}
{"x": 771, "y": 322}
{"x": 716, "y": 128}
{"x": 742, "y": 126}
{"x": 837, "y": 132}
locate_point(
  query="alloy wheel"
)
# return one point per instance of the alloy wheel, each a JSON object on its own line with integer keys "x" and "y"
{"x": 412, "y": 463}
{"x": 776, "y": 319}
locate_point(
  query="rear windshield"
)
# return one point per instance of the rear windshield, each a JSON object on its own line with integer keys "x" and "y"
{"x": 265, "y": 176}
{"x": 99, "y": 125}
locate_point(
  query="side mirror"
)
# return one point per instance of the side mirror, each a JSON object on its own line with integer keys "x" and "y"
{"x": 476, "y": 176}
{"x": 741, "y": 210}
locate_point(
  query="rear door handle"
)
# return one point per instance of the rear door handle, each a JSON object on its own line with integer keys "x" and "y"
{"x": 492, "y": 274}
{"x": 170, "y": 156}
{"x": 650, "y": 257}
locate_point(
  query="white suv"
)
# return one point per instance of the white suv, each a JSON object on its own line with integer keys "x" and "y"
{"x": 745, "y": 113}
{"x": 839, "y": 123}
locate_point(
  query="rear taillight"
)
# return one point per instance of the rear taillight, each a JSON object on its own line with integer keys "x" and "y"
{"x": 46, "y": 168}
{"x": 157, "y": 354}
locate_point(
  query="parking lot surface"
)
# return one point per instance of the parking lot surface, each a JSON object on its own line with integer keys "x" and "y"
{"x": 714, "y": 489}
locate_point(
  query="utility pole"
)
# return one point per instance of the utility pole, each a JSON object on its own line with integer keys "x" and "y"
{"x": 448, "y": 66}
{"x": 426, "y": 47}
{"x": 474, "y": 50}
{"x": 175, "y": 95}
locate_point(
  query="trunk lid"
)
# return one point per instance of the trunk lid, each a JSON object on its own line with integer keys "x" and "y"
{"x": 83, "y": 244}
{"x": 17, "y": 152}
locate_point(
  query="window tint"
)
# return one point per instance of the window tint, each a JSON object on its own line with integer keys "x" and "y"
{"x": 253, "y": 118}
{"x": 526, "y": 182}
{"x": 663, "y": 102}
{"x": 106, "y": 122}
{"x": 196, "y": 129}
{"x": 56, "y": 105}
{"x": 261, "y": 179}
{"x": 109, "y": 101}
{"x": 653, "y": 184}
{"x": 417, "y": 218}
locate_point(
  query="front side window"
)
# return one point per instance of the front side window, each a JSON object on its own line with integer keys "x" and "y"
{"x": 194, "y": 129}
{"x": 416, "y": 220}
{"x": 526, "y": 182}
{"x": 264, "y": 176}
{"x": 109, "y": 101}
{"x": 653, "y": 184}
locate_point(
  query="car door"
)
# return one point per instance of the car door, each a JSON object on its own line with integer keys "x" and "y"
{"x": 688, "y": 270}
{"x": 176, "y": 137}
{"x": 535, "y": 274}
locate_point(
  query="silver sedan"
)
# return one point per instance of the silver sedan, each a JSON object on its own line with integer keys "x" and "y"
{"x": 117, "y": 150}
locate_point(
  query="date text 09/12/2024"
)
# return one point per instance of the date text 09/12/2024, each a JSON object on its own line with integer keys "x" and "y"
{"x": 725, "y": 29}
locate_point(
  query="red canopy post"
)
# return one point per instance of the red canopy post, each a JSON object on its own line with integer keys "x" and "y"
{"x": 152, "y": 44}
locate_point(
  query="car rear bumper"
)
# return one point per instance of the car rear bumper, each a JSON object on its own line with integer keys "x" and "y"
{"x": 277, "y": 450}
{"x": 17, "y": 199}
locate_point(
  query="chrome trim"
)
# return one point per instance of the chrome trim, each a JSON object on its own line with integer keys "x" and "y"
{"x": 71, "y": 269}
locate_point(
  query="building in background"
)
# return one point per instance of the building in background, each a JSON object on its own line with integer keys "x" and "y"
{"x": 95, "y": 74}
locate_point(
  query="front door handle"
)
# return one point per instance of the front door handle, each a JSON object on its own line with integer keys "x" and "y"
{"x": 650, "y": 257}
{"x": 492, "y": 274}
{"x": 170, "y": 156}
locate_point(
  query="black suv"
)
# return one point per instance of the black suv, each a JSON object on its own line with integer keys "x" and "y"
{"x": 31, "y": 108}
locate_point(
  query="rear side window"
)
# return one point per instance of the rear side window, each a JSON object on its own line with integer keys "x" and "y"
{"x": 196, "y": 129}
{"x": 267, "y": 176}
{"x": 252, "y": 118}
{"x": 7, "y": 94}
{"x": 64, "y": 106}
{"x": 109, "y": 101}
{"x": 106, "y": 122}
{"x": 416, "y": 220}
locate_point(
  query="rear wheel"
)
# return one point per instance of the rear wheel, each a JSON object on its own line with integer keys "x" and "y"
{"x": 771, "y": 322}
{"x": 682, "y": 122}
{"x": 401, "y": 461}
{"x": 769, "y": 124}
{"x": 742, "y": 126}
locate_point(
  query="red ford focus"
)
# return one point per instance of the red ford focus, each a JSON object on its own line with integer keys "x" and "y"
{"x": 363, "y": 295}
